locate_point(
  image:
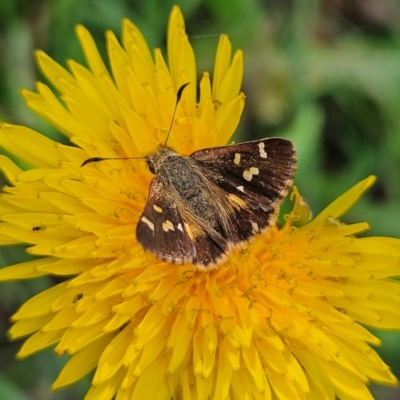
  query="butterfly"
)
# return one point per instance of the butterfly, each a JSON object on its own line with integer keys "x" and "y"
{"x": 202, "y": 206}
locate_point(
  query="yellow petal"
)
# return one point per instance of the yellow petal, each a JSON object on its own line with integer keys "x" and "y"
{"x": 343, "y": 202}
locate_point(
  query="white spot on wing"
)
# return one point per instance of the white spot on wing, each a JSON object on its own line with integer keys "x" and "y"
{"x": 236, "y": 160}
{"x": 254, "y": 225}
{"x": 158, "y": 209}
{"x": 180, "y": 227}
{"x": 248, "y": 173}
{"x": 167, "y": 226}
{"x": 148, "y": 223}
{"x": 263, "y": 153}
{"x": 254, "y": 170}
{"x": 241, "y": 188}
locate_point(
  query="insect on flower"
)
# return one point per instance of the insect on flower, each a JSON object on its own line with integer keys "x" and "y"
{"x": 38, "y": 227}
{"x": 202, "y": 206}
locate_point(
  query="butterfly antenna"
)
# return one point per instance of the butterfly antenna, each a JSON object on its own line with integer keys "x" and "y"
{"x": 178, "y": 99}
{"x": 98, "y": 159}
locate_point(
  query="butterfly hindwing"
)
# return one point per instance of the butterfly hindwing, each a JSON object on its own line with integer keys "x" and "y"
{"x": 161, "y": 229}
{"x": 208, "y": 250}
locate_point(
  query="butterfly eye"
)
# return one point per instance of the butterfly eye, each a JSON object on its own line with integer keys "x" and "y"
{"x": 151, "y": 167}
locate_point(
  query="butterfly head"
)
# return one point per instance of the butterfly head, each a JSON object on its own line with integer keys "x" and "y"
{"x": 156, "y": 160}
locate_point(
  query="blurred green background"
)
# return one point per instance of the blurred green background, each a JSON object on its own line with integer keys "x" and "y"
{"x": 325, "y": 74}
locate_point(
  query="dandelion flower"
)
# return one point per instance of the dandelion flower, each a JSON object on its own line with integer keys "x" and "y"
{"x": 281, "y": 319}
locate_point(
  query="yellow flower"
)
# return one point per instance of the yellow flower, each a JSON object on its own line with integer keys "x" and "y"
{"x": 280, "y": 320}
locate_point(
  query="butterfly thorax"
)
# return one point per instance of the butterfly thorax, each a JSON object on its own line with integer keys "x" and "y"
{"x": 184, "y": 180}
{"x": 175, "y": 171}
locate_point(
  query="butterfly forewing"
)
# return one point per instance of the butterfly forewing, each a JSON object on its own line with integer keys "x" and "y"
{"x": 260, "y": 172}
{"x": 161, "y": 229}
